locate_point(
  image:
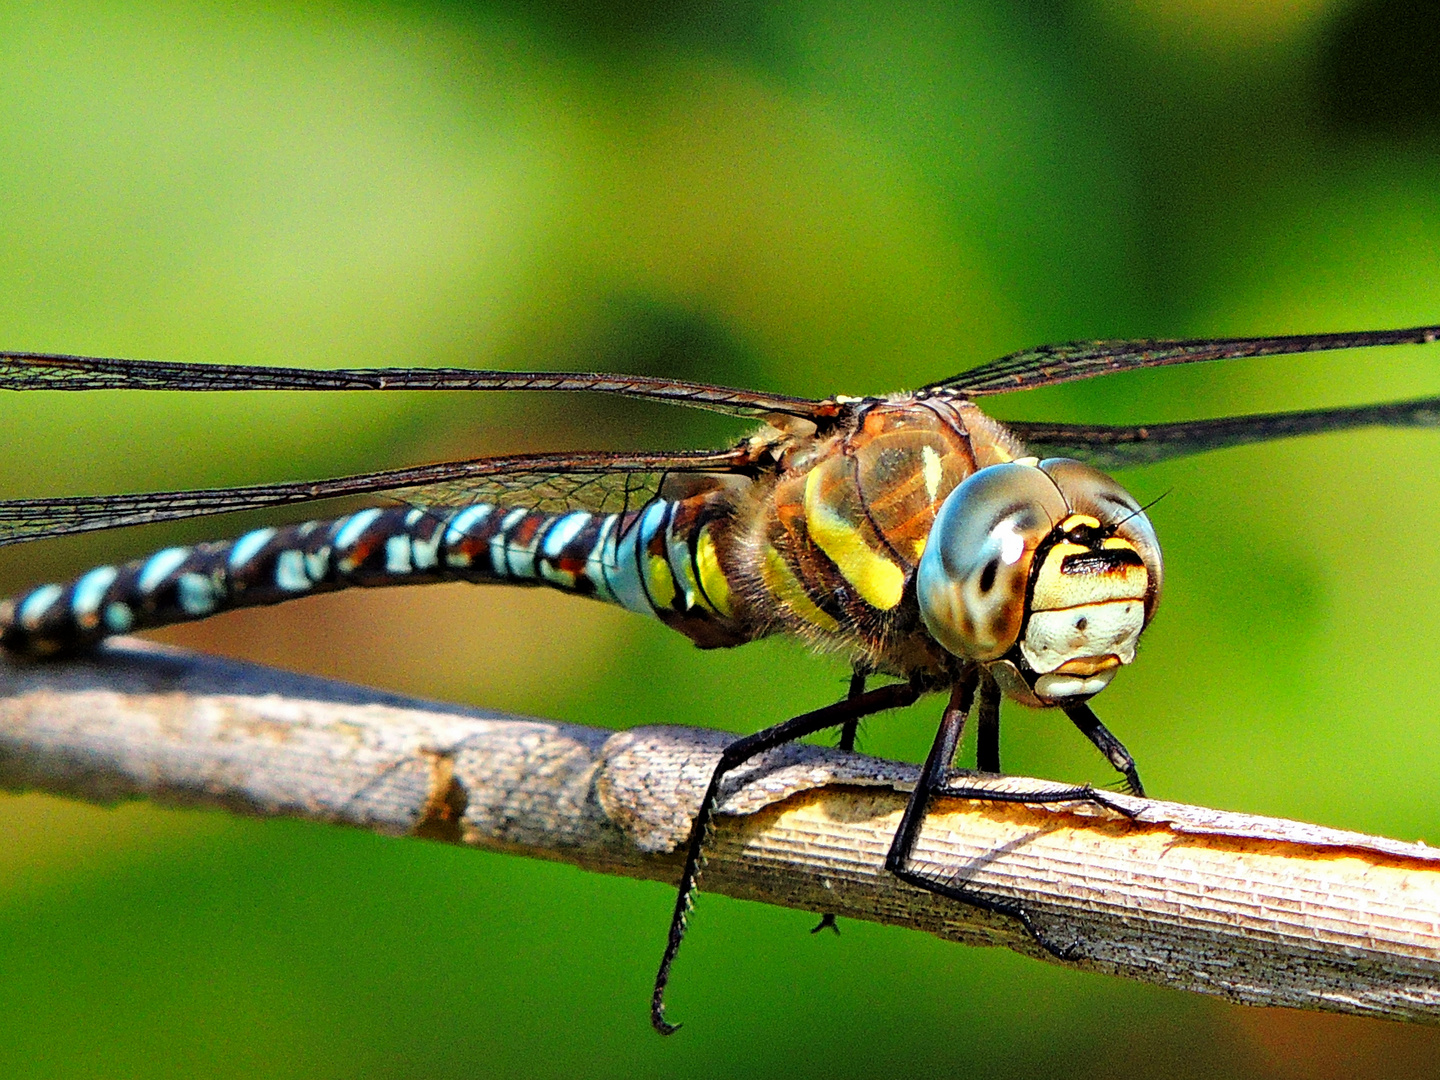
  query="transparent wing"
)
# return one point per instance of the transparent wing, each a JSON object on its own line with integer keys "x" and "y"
{"x": 1052, "y": 364}
{"x": 599, "y": 482}
{"x": 51, "y": 371}
{"x": 1122, "y": 447}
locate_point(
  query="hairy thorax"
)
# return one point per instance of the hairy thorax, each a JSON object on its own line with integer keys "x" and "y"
{"x": 827, "y": 544}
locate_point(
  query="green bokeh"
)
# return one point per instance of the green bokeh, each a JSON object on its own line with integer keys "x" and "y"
{"x": 805, "y": 197}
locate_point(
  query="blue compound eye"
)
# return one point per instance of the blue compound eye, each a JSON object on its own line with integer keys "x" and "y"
{"x": 1046, "y": 572}
{"x": 973, "y": 574}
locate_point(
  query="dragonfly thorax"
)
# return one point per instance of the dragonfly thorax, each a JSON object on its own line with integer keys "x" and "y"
{"x": 1045, "y": 572}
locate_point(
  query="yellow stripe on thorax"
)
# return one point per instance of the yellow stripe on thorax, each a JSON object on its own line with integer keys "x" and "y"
{"x": 782, "y": 582}
{"x": 878, "y": 580}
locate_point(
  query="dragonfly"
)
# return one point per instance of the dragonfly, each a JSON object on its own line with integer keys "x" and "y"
{"x": 924, "y": 541}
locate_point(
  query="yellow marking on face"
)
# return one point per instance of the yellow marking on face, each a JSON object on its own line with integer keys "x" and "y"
{"x": 659, "y": 582}
{"x": 878, "y": 580}
{"x": 1055, "y": 590}
{"x": 714, "y": 585}
{"x": 783, "y": 583}
{"x": 1074, "y": 521}
{"x": 1087, "y": 666}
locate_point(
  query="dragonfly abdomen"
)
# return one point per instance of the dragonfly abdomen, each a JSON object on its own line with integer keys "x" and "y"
{"x": 652, "y": 561}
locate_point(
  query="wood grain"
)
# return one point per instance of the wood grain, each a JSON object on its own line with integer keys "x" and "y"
{"x": 1257, "y": 910}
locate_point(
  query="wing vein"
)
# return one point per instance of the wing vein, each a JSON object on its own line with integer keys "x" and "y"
{"x": 1050, "y": 365}
{"x": 585, "y": 480}
{"x": 1124, "y": 446}
{"x": 56, "y": 371}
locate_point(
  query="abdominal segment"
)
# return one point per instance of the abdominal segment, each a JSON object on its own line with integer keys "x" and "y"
{"x": 659, "y": 561}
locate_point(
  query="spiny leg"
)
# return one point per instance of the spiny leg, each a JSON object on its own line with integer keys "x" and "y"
{"x": 894, "y": 696}
{"x": 1002, "y": 906}
{"x": 934, "y": 780}
{"x": 1113, "y": 749}
{"x": 846, "y": 743}
{"x": 936, "y": 770}
{"x": 1073, "y": 793}
{"x": 987, "y": 734}
{"x": 1086, "y": 720}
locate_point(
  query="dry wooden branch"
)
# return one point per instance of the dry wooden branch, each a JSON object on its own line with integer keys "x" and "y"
{"x": 1258, "y": 910}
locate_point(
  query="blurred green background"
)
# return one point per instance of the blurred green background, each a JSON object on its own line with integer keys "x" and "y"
{"x": 809, "y": 197}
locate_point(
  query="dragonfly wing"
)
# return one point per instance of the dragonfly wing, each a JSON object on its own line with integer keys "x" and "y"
{"x": 1053, "y": 364}
{"x": 53, "y": 371}
{"x": 1123, "y": 447}
{"x": 600, "y": 482}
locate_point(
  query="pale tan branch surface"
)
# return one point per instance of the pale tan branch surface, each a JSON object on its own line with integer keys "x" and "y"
{"x": 1259, "y": 910}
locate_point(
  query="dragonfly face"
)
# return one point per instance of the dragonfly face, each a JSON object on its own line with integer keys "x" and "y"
{"x": 1045, "y": 572}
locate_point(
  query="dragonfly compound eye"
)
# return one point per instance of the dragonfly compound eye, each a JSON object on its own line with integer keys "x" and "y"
{"x": 975, "y": 570}
{"x": 1047, "y": 572}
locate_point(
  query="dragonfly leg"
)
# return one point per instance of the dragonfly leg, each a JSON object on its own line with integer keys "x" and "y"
{"x": 937, "y": 769}
{"x": 893, "y": 696}
{"x": 987, "y": 734}
{"x": 847, "y": 743}
{"x": 935, "y": 780}
{"x": 1000, "y": 905}
{"x": 1113, "y": 749}
{"x": 850, "y": 727}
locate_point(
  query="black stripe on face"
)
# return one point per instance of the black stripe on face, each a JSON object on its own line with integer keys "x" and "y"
{"x": 1100, "y": 562}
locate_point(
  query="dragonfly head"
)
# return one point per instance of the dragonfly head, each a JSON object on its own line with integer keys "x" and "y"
{"x": 1045, "y": 572}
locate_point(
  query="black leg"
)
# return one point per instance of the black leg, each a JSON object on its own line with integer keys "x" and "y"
{"x": 1073, "y": 793}
{"x": 894, "y": 696}
{"x": 1002, "y": 906}
{"x": 987, "y": 735}
{"x": 937, "y": 768}
{"x": 850, "y": 727}
{"x": 998, "y": 905}
{"x": 847, "y": 743}
{"x": 1113, "y": 749}
{"x": 934, "y": 780}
